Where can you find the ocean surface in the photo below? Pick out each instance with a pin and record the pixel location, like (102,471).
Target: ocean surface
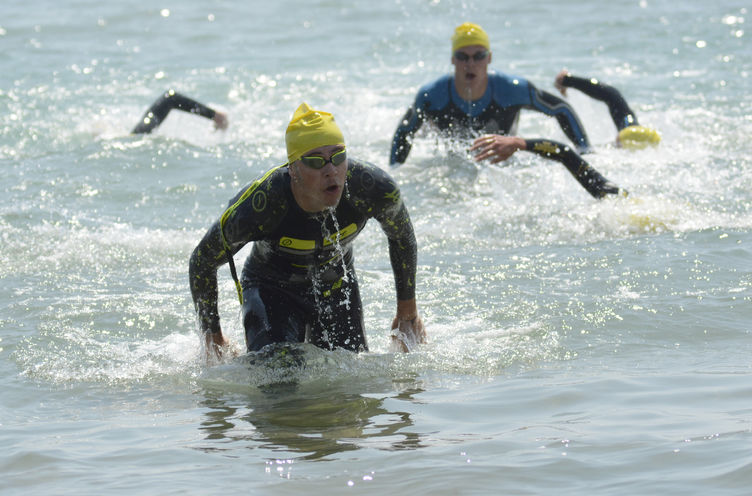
(575,346)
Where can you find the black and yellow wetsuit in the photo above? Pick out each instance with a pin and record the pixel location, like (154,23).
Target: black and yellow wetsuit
(496,112)
(298,283)
(158,111)
(590,179)
(621,114)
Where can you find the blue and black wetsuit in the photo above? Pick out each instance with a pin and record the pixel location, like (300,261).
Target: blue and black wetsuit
(158,111)
(589,178)
(298,283)
(621,114)
(496,112)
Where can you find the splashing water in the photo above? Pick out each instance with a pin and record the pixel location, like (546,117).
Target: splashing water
(340,292)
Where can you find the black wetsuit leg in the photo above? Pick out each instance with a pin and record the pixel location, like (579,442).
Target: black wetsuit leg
(272,315)
(334,319)
(621,114)
(158,111)
(339,323)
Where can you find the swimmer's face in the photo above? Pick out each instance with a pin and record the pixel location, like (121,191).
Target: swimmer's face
(318,189)
(471,64)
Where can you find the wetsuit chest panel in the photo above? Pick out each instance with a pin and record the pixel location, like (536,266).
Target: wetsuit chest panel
(322,235)
(495,112)
(302,241)
(289,243)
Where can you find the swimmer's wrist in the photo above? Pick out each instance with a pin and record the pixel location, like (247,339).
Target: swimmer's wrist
(211,329)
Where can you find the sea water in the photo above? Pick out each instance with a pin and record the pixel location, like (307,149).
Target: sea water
(574,346)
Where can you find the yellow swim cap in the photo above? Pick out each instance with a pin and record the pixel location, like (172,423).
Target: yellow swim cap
(469,34)
(310,129)
(638,137)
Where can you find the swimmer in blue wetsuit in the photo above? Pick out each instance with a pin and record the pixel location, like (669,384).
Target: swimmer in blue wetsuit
(473,101)
(171,99)
(298,283)
(630,133)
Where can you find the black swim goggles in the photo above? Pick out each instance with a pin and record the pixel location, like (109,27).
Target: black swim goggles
(319,162)
(477,56)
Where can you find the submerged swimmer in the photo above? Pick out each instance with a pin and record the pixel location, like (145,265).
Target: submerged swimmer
(169,100)
(631,134)
(473,101)
(298,283)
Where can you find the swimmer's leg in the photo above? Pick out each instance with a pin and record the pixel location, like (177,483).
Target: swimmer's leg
(340,320)
(271,315)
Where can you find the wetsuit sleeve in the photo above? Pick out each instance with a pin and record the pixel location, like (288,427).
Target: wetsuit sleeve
(403,253)
(255,210)
(378,196)
(403,248)
(402,141)
(590,179)
(206,258)
(158,111)
(566,116)
(621,114)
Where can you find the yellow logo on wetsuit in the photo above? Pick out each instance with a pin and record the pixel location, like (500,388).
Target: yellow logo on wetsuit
(546,147)
(341,235)
(297,244)
(308,245)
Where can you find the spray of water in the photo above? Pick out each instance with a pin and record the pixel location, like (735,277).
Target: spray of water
(326,306)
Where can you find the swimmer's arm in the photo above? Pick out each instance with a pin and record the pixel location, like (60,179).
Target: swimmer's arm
(621,114)
(402,140)
(206,258)
(565,115)
(171,99)
(242,223)
(382,200)
(589,178)
(211,253)
(407,326)
(589,86)
(403,256)
(403,248)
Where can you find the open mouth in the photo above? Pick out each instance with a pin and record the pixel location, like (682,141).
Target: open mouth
(470,76)
(332,189)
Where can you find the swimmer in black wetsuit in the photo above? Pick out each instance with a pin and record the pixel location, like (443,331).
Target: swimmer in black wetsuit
(299,284)
(631,134)
(158,111)
(473,102)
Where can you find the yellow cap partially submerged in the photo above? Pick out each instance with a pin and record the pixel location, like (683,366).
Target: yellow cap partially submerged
(310,129)
(469,34)
(638,137)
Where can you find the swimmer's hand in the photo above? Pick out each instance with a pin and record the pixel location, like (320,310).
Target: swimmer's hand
(215,346)
(559,82)
(220,121)
(496,148)
(407,334)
